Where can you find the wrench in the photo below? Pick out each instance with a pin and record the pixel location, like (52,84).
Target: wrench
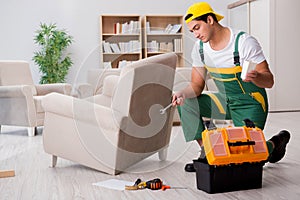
(162,111)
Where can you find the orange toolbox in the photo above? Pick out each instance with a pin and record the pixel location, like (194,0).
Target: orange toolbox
(234,145)
(235,157)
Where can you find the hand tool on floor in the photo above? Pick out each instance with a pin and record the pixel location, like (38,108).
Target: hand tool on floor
(7,173)
(164,187)
(155,184)
(135,186)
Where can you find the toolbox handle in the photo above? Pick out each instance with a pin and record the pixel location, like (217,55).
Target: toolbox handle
(240,143)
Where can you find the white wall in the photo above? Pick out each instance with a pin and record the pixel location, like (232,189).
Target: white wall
(19,19)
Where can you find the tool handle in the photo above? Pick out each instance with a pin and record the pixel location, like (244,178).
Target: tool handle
(154,184)
(164,187)
(168,106)
(240,143)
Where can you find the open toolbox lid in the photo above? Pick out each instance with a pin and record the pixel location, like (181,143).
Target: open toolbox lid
(234,145)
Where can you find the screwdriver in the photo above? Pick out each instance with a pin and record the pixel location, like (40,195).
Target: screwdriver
(164,187)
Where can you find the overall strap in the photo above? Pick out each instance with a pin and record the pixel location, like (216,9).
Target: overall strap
(236,55)
(201,52)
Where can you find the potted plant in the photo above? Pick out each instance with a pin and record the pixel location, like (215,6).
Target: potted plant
(53,62)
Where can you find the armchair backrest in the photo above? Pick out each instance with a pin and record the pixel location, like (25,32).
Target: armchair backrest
(16,73)
(144,88)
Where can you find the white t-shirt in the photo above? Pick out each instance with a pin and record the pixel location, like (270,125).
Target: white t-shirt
(249,49)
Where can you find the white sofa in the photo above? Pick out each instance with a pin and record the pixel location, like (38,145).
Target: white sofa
(20,98)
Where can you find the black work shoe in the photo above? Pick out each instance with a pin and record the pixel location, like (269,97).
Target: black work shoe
(190,167)
(280,141)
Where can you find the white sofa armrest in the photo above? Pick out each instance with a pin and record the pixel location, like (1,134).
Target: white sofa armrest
(17,105)
(16,91)
(63,88)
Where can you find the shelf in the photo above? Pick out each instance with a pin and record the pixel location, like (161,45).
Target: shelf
(157,42)
(120,38)
(133,44)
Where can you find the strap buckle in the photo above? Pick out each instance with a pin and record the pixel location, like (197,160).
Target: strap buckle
(236,58)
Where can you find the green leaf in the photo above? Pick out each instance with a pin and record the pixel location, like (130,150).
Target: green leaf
(53,43)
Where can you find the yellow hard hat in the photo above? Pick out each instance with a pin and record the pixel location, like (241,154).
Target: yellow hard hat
(199,9)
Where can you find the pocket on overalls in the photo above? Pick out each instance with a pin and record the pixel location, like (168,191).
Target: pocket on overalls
(217,102)
(260,99)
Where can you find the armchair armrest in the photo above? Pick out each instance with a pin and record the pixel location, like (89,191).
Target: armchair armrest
(16,91)
(63,88)
(17,105)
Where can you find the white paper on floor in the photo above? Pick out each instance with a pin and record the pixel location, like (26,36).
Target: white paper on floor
(114,184)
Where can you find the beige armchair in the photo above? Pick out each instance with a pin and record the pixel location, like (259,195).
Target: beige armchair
(20,99)
(111,138)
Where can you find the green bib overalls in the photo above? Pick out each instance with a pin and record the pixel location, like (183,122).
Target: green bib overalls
(236,100)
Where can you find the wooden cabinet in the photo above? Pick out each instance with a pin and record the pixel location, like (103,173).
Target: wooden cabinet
(163,33)
(120,39)
(130,38)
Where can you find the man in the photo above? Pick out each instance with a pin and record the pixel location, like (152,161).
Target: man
(222,51)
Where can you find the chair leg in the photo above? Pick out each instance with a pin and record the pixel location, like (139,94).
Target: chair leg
(54,160)
(162,154)
(31,131)
(0,128)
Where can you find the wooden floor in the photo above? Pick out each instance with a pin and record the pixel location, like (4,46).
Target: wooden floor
(34,179)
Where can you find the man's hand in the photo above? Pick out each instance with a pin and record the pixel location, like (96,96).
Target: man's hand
(261,76)
(250,76)
(178,99)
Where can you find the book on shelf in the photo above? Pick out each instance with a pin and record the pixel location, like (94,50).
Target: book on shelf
(172,28)
(152,46)
(170,47)
(131,27)
(162,46)
(148,27)
(117,28)
(106,47)
(133,46)
(168,28)
(177,45)
(165,47)
(175,28)
(115,48)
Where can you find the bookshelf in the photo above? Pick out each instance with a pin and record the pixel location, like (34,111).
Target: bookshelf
(163,33)
(120,39)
